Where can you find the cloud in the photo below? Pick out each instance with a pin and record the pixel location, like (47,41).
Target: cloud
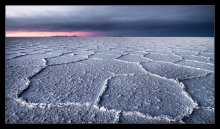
(123,20)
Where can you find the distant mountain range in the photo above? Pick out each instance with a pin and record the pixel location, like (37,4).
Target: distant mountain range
(65,36)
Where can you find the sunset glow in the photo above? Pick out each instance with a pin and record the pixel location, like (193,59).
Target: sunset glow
(48,34)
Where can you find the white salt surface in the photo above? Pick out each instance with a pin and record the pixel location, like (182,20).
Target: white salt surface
(109,80)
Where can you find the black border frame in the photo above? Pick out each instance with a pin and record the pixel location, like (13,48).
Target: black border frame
(107,2)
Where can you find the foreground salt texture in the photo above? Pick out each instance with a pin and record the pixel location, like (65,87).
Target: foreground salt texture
(109,80)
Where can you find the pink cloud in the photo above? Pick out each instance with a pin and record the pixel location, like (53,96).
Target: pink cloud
(46,34)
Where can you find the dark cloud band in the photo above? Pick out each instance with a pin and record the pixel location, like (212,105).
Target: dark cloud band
(163,21)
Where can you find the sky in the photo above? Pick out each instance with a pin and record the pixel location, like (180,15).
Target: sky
(128,21)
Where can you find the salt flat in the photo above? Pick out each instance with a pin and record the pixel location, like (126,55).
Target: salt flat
(109,80)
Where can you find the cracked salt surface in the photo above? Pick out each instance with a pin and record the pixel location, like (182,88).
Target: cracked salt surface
(139,118)
(174,71)
(197,64)
(109,80)
(133,58)
(163,57)
(82,81)
(65,59)
(56,115)
(105,56)
(202,89)
(147,94)
(198,58)
(201,116)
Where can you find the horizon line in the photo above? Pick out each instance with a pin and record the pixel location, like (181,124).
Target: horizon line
(94,36)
